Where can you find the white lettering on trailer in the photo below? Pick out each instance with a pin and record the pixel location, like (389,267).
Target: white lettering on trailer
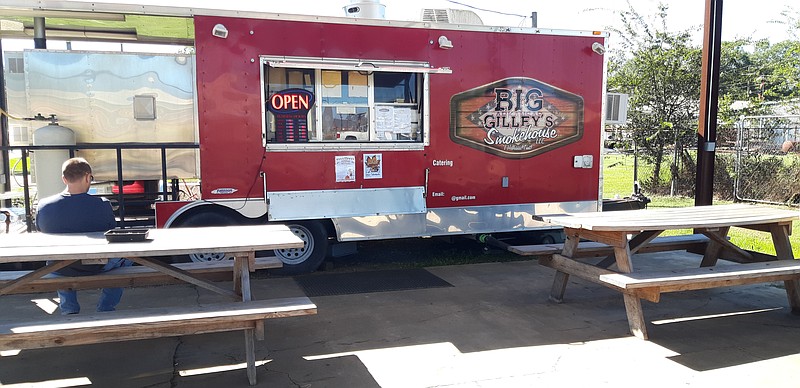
(438,194)
(442,163)
(457,198)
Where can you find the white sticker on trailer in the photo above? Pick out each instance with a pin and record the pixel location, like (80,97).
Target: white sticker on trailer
(224,190)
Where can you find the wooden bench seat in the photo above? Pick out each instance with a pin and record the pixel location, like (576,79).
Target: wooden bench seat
(135,276)
(148,323)
(595,249)
(152,323)
(650,284)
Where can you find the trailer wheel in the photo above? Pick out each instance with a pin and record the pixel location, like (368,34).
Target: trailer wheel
(547,239)
(205,218)
(308,258)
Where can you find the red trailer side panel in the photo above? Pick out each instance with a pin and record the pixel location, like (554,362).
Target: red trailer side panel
(230,111)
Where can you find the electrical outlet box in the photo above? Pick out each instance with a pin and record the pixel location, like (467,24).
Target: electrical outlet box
(583,161)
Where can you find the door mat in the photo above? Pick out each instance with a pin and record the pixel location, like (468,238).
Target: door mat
(369,281)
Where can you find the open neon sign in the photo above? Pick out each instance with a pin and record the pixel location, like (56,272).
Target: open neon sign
(291,101)
(290,107)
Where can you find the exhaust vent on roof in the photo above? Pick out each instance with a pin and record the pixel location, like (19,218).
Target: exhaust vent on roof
(454,16)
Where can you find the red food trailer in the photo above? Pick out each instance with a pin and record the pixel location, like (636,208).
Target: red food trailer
(361,129)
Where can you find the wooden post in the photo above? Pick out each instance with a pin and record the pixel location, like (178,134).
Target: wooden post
(713,248)
(633,305)
(783,250)
(243,265)
(561,278)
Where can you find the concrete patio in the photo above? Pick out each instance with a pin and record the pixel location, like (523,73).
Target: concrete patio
(494,328)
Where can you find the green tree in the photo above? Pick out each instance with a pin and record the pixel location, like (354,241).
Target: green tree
(739,87)
(790,17)
(756,77)
(779,70)
(762,72)
(661,72)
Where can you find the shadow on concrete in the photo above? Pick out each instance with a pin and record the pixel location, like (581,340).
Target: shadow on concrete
(495,327)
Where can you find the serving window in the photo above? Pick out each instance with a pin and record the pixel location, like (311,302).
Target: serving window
(344,101)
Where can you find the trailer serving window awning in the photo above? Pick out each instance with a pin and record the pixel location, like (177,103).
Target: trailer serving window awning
(355,65)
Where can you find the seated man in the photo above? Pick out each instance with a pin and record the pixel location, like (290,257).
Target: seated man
(75,211)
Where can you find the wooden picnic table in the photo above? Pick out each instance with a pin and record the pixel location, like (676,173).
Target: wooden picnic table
(238,242)
(628,232)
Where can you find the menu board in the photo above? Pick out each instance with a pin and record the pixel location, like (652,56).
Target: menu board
(393,119)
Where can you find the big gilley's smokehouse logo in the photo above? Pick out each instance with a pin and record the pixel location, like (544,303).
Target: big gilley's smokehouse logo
(516,118)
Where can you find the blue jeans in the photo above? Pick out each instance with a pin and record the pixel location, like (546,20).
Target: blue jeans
(109,297)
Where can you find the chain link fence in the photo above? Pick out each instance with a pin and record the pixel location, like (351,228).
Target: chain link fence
(767,165)
(757,160)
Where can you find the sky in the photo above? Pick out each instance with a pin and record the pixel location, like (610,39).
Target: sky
(741,18)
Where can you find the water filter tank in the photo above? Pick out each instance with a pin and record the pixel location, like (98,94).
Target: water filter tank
(47,163)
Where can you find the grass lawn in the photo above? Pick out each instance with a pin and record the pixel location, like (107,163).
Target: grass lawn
(617,175)
(618,180)
(15,165)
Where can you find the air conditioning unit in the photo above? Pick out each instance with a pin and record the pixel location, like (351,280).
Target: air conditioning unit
(453,16)
(616,108)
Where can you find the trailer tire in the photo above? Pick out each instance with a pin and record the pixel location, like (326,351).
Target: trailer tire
(308,258)
(547,239)
(205,218)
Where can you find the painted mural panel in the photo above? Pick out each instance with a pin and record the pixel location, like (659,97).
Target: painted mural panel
(516,118)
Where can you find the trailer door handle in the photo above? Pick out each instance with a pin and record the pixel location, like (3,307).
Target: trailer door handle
(425,190)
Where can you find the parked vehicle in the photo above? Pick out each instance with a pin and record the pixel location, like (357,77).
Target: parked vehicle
(348,129)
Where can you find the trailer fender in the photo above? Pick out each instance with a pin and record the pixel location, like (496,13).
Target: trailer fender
(206,215)
(209,215)
(191,209)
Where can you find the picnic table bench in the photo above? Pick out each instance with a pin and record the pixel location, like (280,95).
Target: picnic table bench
(594,249)
(242,313)
(148,323)
(644,226)
(128,277)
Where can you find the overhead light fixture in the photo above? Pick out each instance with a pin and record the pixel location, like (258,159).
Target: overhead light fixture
(220,31)
(445,43)
(598,48)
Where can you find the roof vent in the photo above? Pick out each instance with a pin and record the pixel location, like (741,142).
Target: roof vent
(453,16)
